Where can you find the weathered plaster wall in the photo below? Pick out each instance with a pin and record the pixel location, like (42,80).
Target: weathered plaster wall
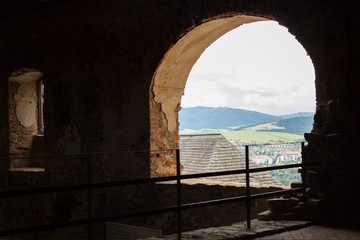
(26,107)
(23,117)
(99,58)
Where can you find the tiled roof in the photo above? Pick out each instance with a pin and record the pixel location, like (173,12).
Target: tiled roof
(213,152)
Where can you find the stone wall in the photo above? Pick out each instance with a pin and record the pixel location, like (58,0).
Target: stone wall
(333,144)
(197,191)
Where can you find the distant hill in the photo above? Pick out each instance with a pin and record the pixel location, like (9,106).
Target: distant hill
(221,118)
(298,114)
(296,125)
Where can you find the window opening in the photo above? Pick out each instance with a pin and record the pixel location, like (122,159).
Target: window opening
(26,124)
(172,75)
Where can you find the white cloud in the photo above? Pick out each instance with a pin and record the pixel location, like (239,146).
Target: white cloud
(259,66)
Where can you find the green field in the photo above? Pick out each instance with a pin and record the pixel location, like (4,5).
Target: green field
(252,135)
(257,134)
(261,133)
(265,126)
(263,137)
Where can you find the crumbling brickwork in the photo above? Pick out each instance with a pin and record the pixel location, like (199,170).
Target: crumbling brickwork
(162,163)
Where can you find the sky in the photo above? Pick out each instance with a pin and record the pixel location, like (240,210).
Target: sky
(258,66)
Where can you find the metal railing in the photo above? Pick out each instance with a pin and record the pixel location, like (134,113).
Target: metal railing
(89,186)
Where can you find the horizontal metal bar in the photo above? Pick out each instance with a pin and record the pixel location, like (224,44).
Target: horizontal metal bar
(24,192)
(238,198)
(242,171)
(275,193)
(123,152)
(271,144)
(137,181)
(144,213)
(278,167)
(133,182)
(213,202)
(264,169)
(84,186)
(213,174)
(83,222)
(88,154)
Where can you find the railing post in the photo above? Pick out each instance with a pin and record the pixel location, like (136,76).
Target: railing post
(178,191)
(89,181)
(248,222)
(303,171)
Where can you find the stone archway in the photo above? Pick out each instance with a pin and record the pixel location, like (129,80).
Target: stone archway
(168,85)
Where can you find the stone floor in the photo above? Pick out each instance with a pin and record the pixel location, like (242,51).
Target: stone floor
(316,232)
(239,230)
(273,230)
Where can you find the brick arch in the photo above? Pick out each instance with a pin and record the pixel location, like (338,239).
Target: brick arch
(169,82)
(168,85)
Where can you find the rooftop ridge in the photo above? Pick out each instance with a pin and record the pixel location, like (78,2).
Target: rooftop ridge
(199,134)
(206,153)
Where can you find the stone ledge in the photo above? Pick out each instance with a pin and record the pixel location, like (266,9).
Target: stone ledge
(220,183)
(239,231)
(28,169)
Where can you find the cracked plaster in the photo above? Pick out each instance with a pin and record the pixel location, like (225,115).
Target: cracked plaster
(26,96)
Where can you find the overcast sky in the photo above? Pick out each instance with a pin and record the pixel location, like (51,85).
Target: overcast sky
(258,66)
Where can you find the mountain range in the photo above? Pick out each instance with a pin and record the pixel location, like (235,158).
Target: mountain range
(197,118)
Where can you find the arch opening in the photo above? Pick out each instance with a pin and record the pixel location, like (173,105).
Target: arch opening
(254,86)
(168,85)
(169,82)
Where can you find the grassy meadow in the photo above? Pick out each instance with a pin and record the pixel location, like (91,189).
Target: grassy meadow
(263,137)
(262,133)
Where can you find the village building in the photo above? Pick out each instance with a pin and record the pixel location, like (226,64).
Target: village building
(292,155)
(205,153)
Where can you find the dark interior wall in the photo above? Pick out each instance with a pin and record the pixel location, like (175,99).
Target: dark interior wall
(98,59)
(92,55)
(4,126)
(89,71)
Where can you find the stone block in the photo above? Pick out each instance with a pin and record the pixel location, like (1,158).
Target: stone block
(313,138)
(296,184)
(281,204)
